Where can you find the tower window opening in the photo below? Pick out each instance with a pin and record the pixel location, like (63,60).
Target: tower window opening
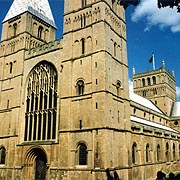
(83,3)
(80,87)
(83,46)
(158,152)
(148,81)
(174,152)
(40,30)
(11,67)
(147,153)
(115,45)
(15,29)
(154,79)
(143,82)
(82,154)
(2,155)
(134,150)
(167,152)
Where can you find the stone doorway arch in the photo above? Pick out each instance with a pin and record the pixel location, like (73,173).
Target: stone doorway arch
(35,164)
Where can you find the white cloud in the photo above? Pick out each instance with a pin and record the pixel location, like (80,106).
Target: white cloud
(131,85)
(178,93)
(164,17)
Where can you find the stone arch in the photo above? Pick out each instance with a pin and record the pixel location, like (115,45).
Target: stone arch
(35,163)
(89,44)
(81,153)
(41,103)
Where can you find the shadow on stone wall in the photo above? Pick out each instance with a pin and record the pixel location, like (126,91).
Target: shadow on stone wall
(112,176)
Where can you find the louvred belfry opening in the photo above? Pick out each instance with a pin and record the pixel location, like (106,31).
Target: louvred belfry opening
(41,103)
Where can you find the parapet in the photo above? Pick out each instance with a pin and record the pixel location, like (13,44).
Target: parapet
(42,49)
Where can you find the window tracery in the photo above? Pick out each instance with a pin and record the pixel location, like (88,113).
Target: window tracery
(41,103)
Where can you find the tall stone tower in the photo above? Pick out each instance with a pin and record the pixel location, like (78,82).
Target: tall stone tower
(65,104)
(95,110)
(158,85)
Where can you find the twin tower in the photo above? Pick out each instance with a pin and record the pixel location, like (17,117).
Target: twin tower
(64,106)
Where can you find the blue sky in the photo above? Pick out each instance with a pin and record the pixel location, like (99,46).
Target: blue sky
(148,30)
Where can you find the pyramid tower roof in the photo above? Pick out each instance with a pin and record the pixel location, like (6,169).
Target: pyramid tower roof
(39,8)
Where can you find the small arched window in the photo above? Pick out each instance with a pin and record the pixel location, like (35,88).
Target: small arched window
(40,29)
(154,79)
(167,152)
(134,150)
(83,3)
(83,46)
(82,152)
(147,153)
(174,152)
(118,87)
(148,81)
(80,87)
(2,155)
(115,46)
(15,29)
(158,153)
(11,67)
(143,82)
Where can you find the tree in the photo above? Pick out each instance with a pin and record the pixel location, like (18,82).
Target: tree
(160,3)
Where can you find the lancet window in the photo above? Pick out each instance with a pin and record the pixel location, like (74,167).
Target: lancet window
(2,155)
(82,150)
(41,103)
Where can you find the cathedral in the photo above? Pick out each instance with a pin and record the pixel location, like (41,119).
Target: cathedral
(66,109)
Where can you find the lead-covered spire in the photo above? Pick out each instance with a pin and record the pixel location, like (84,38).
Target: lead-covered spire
(39,8)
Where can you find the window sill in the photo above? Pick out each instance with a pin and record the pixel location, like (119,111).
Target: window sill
(81,166)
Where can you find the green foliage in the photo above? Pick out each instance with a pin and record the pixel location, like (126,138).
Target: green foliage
(169,3)
(160,3)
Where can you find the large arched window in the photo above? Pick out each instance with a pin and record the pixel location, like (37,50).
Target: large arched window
(2,155)
(41,103)
(134,150)
(82,153)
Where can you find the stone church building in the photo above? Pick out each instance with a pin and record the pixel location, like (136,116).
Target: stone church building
(66,111)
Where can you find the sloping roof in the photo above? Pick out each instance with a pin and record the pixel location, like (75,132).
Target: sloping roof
(144,102)
(175,109)
(39,8)
(152,124)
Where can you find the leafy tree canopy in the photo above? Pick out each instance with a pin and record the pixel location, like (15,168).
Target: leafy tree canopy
(160,3)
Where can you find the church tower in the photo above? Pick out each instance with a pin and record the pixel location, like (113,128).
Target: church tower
(158,85)
(65,105)
(28,23)
(97,104)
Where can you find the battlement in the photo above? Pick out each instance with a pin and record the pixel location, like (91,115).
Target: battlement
(42,49)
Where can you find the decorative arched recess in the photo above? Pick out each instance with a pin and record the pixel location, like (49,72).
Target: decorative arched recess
(41,103)
(36,163)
